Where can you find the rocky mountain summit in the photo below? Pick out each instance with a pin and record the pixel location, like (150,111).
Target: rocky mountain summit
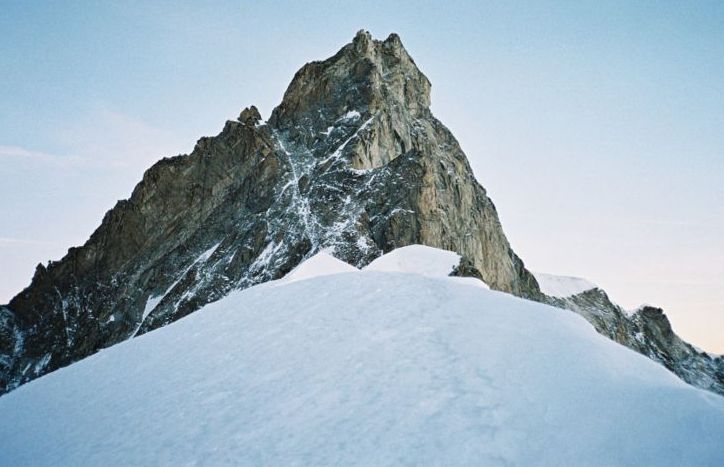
(352,162)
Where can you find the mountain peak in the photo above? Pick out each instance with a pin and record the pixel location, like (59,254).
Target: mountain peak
(365,44)
(363,40)
(250,115)
(352,162)
(366,75)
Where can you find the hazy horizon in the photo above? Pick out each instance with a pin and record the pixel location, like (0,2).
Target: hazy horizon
(596,129)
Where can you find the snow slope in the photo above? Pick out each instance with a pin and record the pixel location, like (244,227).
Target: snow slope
(367,368)
(417,259)
(321,264)
(424,260)
(562,286)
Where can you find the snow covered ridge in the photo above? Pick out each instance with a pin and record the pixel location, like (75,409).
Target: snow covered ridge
(412,259)
(562,286)
(321,264)
(417,259)
(369,368)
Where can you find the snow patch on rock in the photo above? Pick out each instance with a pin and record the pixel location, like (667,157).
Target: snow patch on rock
(632,311)
(151,305)
(562,286)
(351,115)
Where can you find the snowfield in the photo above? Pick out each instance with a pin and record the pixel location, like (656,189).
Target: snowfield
(372,367)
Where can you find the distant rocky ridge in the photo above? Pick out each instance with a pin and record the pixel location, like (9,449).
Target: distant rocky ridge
(646,330)
(352,161)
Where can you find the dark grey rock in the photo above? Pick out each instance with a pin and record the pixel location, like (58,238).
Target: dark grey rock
(250,116)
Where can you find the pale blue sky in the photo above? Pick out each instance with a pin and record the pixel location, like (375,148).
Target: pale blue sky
(597,127)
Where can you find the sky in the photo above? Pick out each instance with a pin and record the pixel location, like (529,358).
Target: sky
(596,127)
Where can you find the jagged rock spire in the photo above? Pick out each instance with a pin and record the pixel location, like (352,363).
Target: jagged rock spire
(366,75)
(250,116)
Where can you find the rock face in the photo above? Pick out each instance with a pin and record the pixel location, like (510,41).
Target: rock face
(352,161)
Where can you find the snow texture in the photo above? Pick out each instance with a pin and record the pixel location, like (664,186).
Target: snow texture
(321,264)
(417,259)
(562,286)
(369,368)
(471,281)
